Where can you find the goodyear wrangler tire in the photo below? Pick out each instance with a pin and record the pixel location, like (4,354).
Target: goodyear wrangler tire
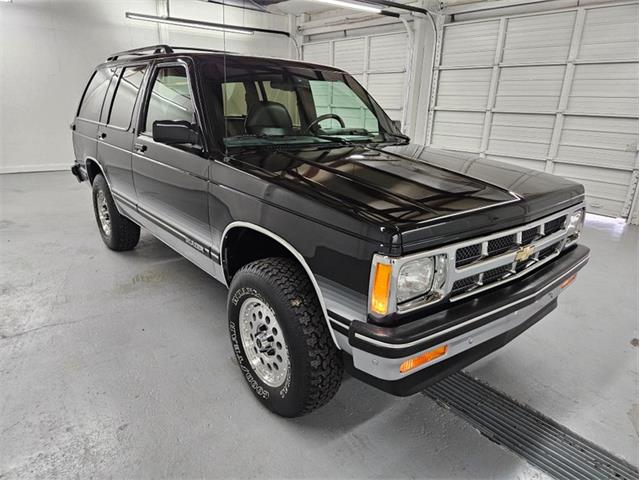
(280,337)
(117,232)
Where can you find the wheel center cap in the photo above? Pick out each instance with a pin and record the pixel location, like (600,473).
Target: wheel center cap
(264,342)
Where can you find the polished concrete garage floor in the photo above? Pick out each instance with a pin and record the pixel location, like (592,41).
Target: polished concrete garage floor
(119,365)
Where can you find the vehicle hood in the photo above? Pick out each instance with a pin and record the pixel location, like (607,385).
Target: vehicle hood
(410,188)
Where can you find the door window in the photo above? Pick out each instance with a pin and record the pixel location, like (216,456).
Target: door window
(170,97)
(125,97)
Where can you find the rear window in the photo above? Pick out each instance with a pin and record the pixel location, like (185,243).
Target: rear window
(125,96)
(93,98)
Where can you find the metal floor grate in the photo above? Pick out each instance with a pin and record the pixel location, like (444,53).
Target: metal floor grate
(538,439)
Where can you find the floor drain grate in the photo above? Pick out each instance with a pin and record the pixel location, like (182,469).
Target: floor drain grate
(541,441)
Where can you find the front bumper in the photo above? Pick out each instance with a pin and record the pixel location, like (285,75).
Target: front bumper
(471,329)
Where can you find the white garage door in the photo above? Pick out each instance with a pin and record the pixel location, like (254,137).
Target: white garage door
(554,91)
(378,62)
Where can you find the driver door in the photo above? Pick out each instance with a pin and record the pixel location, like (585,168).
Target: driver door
(171,180)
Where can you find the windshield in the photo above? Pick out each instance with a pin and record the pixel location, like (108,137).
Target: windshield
(272,104)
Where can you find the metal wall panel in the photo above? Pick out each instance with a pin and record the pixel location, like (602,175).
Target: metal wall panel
(555,91)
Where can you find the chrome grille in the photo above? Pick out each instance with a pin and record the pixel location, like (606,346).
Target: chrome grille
(501,245)
(486,262)
(466,255)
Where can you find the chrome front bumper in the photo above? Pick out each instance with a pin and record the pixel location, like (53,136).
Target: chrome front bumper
(470,329)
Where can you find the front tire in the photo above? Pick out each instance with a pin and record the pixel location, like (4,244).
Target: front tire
(280,338)
(117,232)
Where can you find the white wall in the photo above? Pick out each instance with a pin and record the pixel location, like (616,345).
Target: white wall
(48,49)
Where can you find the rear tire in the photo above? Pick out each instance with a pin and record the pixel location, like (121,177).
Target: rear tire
(117,232)
(280,337)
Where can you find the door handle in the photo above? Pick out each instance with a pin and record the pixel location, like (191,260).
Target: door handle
(139,147)
(102,136)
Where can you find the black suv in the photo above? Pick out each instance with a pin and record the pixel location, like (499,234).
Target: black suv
(343,245)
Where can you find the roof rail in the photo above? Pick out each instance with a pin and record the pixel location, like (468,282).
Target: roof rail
(142,51)
(156,49)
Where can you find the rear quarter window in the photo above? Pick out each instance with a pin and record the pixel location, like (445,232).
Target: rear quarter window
(93,98)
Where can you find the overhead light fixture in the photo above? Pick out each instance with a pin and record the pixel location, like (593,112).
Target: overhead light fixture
(183,22)
(354,6)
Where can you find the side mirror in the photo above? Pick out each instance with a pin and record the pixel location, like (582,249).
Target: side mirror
(175,132)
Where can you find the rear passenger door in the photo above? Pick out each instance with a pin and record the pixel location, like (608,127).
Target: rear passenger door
(115,134)
(171,180)
(85,126)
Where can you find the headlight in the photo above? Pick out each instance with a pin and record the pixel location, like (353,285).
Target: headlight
(418,279)
(415,279)
(574,227)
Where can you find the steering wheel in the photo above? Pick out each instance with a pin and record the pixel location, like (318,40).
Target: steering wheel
(322,118)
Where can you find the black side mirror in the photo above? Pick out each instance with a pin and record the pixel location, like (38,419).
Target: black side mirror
(174,132)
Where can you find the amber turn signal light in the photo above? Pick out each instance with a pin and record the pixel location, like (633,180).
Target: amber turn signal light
(380,290)
(423,358)
(568,281)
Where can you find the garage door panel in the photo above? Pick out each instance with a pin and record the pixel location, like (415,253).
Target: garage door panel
(619,134)
(591,156)
(603,206)
(601,42)
(543,38)
(387,89)
(349,55)
(591,103)
(608,89)
(472,44)
(538,165)
(602,190)
(388,52)
(458,130)
(530,88)
(467,88)
(317,53)
(520,135)
(607,176)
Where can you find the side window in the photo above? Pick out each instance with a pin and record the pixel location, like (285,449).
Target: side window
(170,98)
(125,97)
(93,98)
(235,99)
(115,76)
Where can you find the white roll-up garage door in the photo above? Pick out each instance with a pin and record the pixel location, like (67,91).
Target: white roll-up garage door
(378,62)
(554,91)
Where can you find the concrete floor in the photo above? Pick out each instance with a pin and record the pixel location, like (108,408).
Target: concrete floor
(118,364)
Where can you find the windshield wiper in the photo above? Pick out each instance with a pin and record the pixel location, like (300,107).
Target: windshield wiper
(398,136)
(341,140)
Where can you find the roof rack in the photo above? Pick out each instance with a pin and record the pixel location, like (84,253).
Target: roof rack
(156,49)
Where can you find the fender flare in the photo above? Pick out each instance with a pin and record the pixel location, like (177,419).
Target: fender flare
(297,255)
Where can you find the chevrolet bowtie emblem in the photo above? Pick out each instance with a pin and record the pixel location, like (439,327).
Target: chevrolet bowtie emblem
(524,253)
